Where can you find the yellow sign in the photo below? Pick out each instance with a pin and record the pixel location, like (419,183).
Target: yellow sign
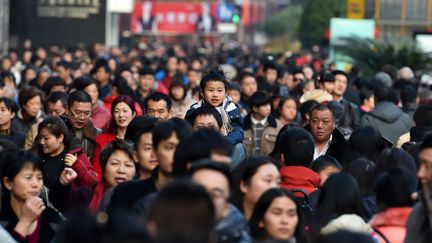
(356,9)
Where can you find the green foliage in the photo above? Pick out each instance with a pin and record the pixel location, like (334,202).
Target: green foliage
(315,20)
(371,54)
(284,23)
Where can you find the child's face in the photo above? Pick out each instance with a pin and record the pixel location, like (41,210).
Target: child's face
(263,110)
(214,93)
(235,95)
(326,173)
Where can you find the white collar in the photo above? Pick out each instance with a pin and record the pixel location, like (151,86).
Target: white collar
(255,121)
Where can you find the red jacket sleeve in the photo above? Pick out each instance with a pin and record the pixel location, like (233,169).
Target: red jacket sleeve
(96,163)
(86,175)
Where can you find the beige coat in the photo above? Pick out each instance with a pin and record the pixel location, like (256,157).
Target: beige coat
(268,138)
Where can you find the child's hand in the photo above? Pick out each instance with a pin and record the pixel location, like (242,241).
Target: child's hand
(67,176)
(70,159)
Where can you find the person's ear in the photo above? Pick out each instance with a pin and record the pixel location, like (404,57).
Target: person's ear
(135,156)
(152,228)
(282,159)
(7,183)
(243,187)
(261,224)
(13,115)
(61,138)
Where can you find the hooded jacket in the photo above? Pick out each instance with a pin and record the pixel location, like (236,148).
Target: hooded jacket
(389,120)
(299,177)
(392,223)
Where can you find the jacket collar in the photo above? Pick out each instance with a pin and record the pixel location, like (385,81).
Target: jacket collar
(247,122)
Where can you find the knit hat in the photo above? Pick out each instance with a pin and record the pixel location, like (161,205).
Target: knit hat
(384,79)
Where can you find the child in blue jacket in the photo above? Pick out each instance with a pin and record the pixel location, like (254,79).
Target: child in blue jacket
(214,87)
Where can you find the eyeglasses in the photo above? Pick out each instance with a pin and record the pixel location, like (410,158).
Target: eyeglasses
(77,114)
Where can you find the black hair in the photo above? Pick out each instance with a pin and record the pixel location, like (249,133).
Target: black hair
(215,74)
(64,63)
(58,96)
(182,211)
(297,147)
(165,129)
(198,145)
(324,161)
(51,82)
(324,107)
(423,116)
(365,142)
(395,157)
(275,153)
(122,86)
(282,103)
(340,72)
(113,146)
(146,71)
(102,63)
(270,65)
(259,98)
(138,126)
(325,76)
(234,86)
(29,93)
(13,162)
(57,127)
(208,164)
(78,96)
(244,75)
(365,93)
(363,171)
(383,93)
(344,236)
(7,74)
(178,82)
(262,206)
(205,110)
(244,172)
(83,82)
(306,108)
(408,94)
(393,188)
(157,96)
(426,142)
(10,104)
(339,195)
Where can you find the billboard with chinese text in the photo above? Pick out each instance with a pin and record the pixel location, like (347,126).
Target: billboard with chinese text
(174,17)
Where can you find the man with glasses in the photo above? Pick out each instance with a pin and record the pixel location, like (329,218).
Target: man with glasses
(78,120)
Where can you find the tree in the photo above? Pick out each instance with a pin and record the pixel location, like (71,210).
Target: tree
(371,55)
(315,20)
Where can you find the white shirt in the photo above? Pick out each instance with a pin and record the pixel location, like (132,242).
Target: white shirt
(262,122)
(324,150)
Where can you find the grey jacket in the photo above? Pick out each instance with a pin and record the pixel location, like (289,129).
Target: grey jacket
(389,120)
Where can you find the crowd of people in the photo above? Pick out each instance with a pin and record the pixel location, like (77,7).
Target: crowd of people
(182,143)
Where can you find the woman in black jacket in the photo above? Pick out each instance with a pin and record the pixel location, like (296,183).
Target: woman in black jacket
(24,214)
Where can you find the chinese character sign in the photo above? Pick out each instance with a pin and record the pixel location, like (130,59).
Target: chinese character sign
(173,17)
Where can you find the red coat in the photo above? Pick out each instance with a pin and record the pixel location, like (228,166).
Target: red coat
(101,140)
(392,224)
(299,177)
(98,195)
(86,175)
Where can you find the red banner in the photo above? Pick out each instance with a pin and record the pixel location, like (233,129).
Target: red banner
(173,17)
